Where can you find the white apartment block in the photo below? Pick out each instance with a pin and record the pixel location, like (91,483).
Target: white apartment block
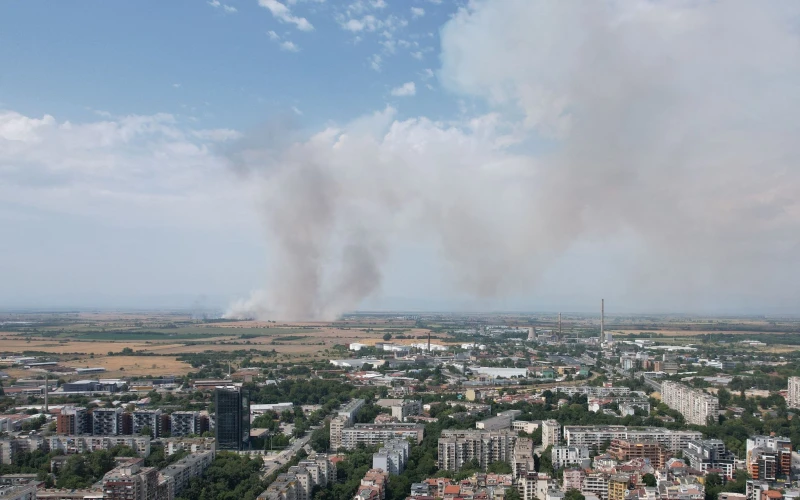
(551,433)
(405,409)
(526,427)
(456,447)
(83,444)
(372,434)
(589,436)
(696,406)
(392,457)
(338,424)
(793,394)
(564,456)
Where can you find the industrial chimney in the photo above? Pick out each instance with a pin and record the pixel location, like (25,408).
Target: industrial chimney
(559,325)
(602,320)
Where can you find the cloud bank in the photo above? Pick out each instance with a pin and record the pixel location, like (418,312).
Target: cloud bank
(671,125)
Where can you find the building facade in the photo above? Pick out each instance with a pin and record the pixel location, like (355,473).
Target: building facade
(696,406)
(232,418)
(457,447)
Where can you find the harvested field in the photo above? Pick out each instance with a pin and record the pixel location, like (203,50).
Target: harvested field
(126,366)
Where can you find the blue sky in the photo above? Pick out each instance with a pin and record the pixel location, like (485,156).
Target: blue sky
(204,61)
(301,158)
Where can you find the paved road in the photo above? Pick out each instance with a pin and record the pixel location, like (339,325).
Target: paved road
(271,465)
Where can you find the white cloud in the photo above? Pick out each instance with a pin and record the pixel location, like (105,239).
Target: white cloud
(289,46)
(417,55)
(417,12)
(286,45)
(378,4)
(225,7)
(176,85)
(284,14)
(375,62)
(426,74)
(297,111)
(405,90)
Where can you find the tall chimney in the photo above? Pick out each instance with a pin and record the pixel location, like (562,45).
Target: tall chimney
(559,325)
(46,389)
(602,320)
(429,341)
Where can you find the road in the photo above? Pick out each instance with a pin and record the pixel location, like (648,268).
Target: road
(275,463)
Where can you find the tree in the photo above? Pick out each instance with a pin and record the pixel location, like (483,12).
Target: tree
(499,467)
(649,480)
(387,336)
(574,494)
(146,431)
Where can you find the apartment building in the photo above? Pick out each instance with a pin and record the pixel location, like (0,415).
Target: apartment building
(131,481)
(618,486)
(72,420)
(350,410)
(106,421)
(405,409)
(147,418)
(18,491)
(392,457)
(671,440)
(564,456)
(793,393)
(551,433)
(83,444)
(573,479)
(183,423)
(596,483)
(187,468)
(193,445)
(372,434)
(535,485)
(707,454)
(456,447)
(526,427)
(283,488)
(338,423)
(627,449)
(769,457)
(696,406)
(522,460)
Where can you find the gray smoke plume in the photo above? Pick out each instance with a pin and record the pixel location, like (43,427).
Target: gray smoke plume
(669,124)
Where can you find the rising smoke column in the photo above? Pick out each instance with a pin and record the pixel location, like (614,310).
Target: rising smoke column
(672,122)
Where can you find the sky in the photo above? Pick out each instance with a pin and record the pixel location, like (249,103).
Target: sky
(298,159)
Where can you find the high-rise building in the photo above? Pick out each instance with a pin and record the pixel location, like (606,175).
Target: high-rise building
(710,454)
(626,449)
(793,394)
(696,406)
(232,418)
(563,456)
(596,435)
(131,482)
(106,421)
(522,460)
(72,420)
(147,418)
(457,447)
(392,457)
(184,423)
(372,434)
(769,457)
(551,433)
(338,423)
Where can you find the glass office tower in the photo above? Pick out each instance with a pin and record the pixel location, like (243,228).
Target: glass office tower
(232,418)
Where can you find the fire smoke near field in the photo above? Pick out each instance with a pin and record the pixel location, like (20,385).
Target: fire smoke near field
(671,123)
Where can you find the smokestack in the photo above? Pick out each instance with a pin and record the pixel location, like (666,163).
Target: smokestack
(429,341)
(559,325)
(46,389)
(602,320)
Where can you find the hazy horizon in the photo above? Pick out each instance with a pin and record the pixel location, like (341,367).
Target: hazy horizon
(304,158)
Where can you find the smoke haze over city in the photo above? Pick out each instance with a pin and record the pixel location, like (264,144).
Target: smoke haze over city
(522,155)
